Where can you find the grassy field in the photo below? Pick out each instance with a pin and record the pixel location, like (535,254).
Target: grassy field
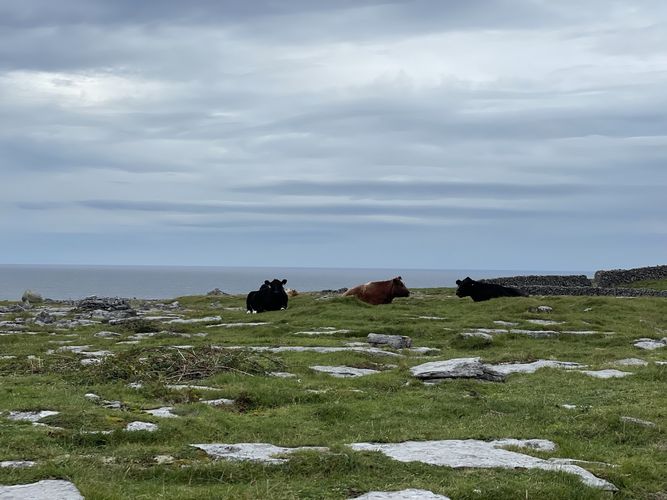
(315,409)
(654,284)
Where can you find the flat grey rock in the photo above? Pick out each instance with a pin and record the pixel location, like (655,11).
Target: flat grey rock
(140,426)
(48,489)
(651,344)
(456,368)
(409,494)
(643,423)
(343,371)
(181,321)
(17,464)
(508,368)
(568,406)
(545,322)
(504,323)
(282,374)
(163,412)
(543,309)
(474,368)
(256,452)
(476,335)
(106,334)
(180,387)
(234,325)
(30,416)
(481,454)
(604,374)
(394,341)
(325,330)
(432,318)
(631,362)
(217,402)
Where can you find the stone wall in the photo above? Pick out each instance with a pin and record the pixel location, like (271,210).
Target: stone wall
(616,277)
(548,280)
(608,283)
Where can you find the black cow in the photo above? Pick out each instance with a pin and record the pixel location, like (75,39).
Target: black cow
(271,296)
(479,291)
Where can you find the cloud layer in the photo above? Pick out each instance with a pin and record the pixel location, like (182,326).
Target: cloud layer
(495,134)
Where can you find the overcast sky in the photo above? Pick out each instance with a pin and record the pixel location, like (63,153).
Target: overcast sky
(495,134)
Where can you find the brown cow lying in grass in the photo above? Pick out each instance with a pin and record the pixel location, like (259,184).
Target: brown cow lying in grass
(379,292)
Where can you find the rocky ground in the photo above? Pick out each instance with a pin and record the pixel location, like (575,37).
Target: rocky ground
(429,397)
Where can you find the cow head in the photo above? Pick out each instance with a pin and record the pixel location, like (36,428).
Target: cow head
(277,285)
(398,289)
(465,288)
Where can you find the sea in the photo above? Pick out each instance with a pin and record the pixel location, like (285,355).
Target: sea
(164,282)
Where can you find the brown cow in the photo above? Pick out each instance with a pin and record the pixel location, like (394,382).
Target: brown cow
(379,292)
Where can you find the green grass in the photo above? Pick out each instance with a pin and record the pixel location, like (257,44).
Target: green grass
(388,407)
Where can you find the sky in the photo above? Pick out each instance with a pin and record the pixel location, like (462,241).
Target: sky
(436,134)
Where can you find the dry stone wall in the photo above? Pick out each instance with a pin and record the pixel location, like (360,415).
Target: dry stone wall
(618,277)
(607,283)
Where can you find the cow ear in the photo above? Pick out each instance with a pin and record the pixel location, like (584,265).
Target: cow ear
(398,278)
(284,282)
(458,282)
(266,282)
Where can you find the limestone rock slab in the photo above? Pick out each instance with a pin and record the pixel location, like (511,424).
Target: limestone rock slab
(344,371)
(256,452)
(409,494)
(49,489)
(480,454)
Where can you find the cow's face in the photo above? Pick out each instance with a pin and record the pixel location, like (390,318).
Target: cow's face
(465,288)
(398,289)
(277,286)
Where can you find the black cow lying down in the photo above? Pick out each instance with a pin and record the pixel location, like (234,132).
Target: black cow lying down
(271,296)
(479,291)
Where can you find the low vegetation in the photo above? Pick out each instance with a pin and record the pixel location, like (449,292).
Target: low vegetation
(315,409)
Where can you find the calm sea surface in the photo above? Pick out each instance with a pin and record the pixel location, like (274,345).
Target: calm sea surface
(73,282)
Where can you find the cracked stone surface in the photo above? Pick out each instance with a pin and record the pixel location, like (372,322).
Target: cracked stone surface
(140,426)
(395,341)
(217,402)
(232,325)
(256,452)
(643,423)
(474,368)
(282,374)
(163,412)
(48,489)
(179,387)
(16,464)
(343,371)
(545,322)
(30,416)
(606,373)
(409,494)
(651,344)
(325,330)
(481,454)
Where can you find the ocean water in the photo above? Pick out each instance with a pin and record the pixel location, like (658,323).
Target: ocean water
(158,282)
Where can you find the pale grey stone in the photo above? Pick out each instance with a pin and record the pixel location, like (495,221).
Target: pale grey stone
(504,323)
(30,416)
(545,322)
(163,412)
(217,402)
(455,368)
(507,368)
(543,309)
(135,385)
(433,318)
(343,371)
(91,361)
(207,319)
(480,454)
(604,374)
(424,350)
(409,494)
(474,368)
(325,330)
(106,335)
(587,332)
(234,325)
(164,459)
(568,406)
(631,362)
(477,335)
(49,489)
(643,423)
(538,334)
(256,452)
(179,387)
(140,426)
(16,464)
(651,344)
(395,341)
(282,374)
